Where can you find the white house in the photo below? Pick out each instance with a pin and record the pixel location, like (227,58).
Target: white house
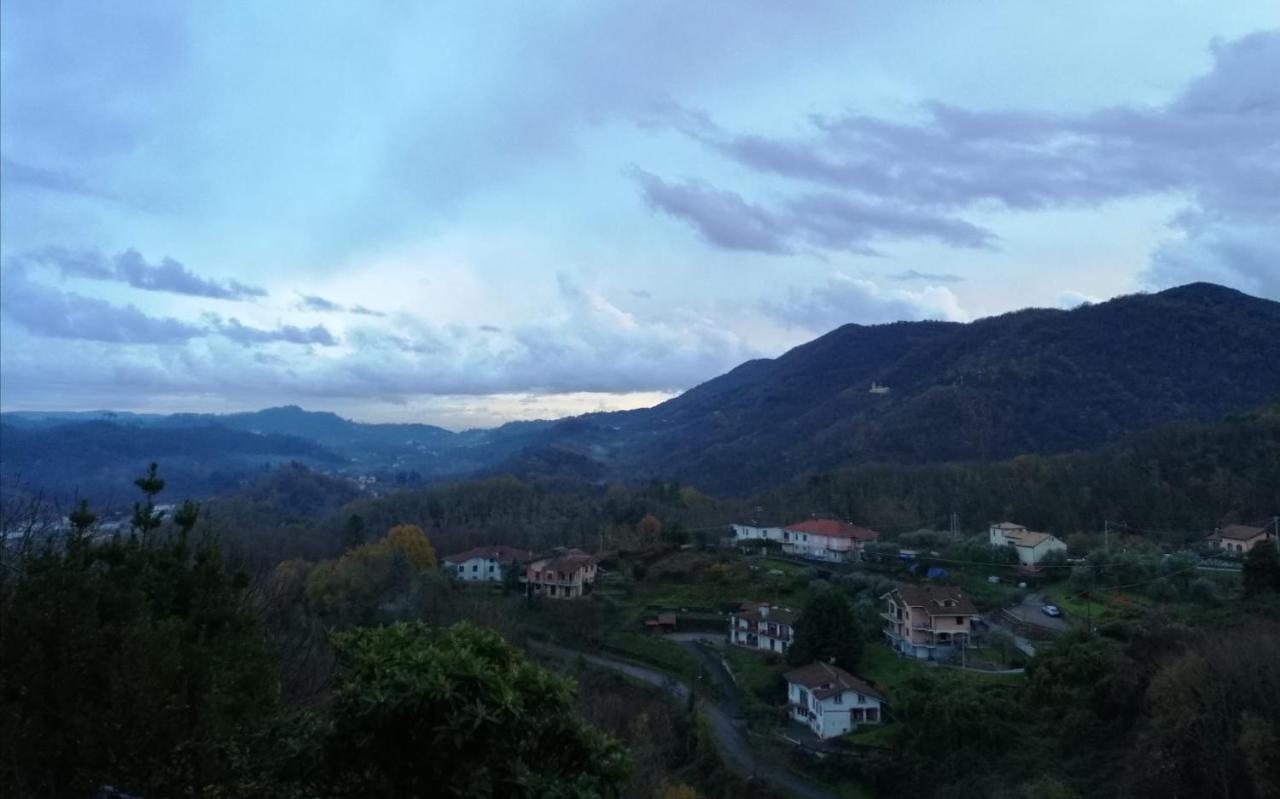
(759,626)
(830,700)
(812,539)
(826,539)
(756,531)
(1032,547)
(485,564)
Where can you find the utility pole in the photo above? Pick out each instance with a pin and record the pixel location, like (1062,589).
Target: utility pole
(1106,536)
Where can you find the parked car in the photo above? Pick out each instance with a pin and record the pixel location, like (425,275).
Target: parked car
(1051,610)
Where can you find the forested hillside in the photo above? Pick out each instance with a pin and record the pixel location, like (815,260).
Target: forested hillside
(1035,381)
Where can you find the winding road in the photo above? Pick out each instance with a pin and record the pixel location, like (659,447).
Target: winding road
(733,745)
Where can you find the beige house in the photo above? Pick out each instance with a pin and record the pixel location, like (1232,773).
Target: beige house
(565,574)
(929,622)
(1239,539)
(1032,547)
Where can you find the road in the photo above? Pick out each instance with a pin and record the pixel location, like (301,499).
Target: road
(733,745)
(1029,612)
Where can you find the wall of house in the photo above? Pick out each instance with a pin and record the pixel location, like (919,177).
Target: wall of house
(478,570)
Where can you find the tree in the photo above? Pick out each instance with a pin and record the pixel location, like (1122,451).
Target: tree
(1261,570)
(458,712)
(408,541)
(827,630)
(130,662)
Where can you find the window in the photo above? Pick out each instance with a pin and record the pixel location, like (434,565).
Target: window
(960,620)
(862,700)
(838,699)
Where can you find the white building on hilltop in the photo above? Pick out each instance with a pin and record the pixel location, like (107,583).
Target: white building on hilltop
(1032,547)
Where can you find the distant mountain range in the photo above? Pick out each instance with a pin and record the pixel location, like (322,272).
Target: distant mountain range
(1034,381)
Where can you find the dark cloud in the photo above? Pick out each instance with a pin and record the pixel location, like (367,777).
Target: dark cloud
(641,294)
(490,329)
(47,311)
(234,330)
(933,277)
(360,310)
(1216,143)
(131,268)
(310,302)
(721,217)
(822,219)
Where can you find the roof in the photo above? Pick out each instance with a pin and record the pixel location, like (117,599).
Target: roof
(1007,526)
(661,620)
(1239,532)
(1028,538)
(825,679)
(566,560)
(937,600)
(499,553)
(751,612)
(833,528)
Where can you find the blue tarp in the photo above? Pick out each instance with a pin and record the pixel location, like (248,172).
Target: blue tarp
(936,573)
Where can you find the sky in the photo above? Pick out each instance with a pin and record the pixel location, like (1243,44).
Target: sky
(467,213)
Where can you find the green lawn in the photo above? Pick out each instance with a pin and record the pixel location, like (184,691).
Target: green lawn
(874,734)
(650,649)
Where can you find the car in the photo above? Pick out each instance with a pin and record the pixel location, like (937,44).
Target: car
(1051,610)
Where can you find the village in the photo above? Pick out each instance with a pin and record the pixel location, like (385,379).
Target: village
(741,623)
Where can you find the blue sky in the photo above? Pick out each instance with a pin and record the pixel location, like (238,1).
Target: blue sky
(463,213)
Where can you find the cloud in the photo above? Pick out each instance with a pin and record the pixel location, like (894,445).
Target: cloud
(855,177)
(843,299)
(47,311)
(1074,299)
(641,294)
(310,302)
(14,173)
(933,277)
(723,218)
(131,268)
(360,310)
(234,330)
(824,219)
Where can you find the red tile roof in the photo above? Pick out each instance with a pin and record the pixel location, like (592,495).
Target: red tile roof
(833,528)
(1238,532)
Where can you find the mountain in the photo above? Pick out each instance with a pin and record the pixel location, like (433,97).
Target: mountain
(1033,381)
(97,458)
(1041,381)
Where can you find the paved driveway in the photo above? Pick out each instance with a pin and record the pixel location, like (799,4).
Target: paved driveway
(733,745)
(1029,612)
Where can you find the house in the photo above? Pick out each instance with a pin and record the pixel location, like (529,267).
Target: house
(1032,547)
(761,626)
(1238,538)
(755,533)
(830,700)
(484,564)
(826,539)
(661,623)
(564,574)
(929,622)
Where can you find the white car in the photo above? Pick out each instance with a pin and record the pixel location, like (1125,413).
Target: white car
(1051,610)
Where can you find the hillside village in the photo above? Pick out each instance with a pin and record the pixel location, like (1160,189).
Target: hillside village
(741,619)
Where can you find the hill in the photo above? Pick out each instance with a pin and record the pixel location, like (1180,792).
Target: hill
(96,458)
(1035,381)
